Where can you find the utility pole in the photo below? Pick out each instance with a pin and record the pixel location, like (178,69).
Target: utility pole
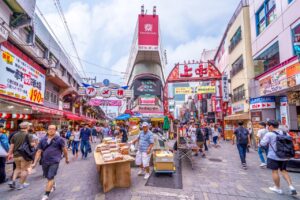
(90,80)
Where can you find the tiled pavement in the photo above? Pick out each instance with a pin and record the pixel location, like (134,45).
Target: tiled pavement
(208,181)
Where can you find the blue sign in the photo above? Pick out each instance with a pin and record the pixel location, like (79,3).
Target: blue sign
(283,99)
(106,82)
(262,100)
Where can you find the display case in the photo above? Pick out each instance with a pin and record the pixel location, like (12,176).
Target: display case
(296,140)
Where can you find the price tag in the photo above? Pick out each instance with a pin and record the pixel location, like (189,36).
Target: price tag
(35,95)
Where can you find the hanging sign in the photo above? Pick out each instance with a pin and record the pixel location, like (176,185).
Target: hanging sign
(120,93)
(20,79)
(283,110)
(91,91)
(104,102)
(206,89)
(225,88)
(105,92)
(183,90)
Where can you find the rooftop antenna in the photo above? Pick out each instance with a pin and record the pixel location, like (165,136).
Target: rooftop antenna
(142,10)
(154,10)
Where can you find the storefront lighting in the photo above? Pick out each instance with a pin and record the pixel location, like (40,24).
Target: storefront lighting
(10,107)
(26,109)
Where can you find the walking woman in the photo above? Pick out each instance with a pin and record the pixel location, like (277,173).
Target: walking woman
(215,135)
(76,141)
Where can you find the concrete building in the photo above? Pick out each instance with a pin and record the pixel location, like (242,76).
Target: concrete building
(145,70)
(234,60)
(275,33)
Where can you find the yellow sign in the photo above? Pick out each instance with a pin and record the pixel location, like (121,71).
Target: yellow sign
(206,89)
(183,90)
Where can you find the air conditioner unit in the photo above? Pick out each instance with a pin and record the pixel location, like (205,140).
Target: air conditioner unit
(50,73)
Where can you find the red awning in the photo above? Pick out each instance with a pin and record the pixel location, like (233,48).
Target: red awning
(72,116)
(47,110)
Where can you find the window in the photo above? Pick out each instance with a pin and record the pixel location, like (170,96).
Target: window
(290,1)
(237,66)
(238,93)
(47,95)
(69,78)
(62,70)
(267,59)
(236,38)
(296,39)
(265,15)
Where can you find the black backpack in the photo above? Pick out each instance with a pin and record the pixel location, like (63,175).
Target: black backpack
(26,150)
(242,135)
(284,146)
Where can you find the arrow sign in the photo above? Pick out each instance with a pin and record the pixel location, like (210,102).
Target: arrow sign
(268,105)
(263,105)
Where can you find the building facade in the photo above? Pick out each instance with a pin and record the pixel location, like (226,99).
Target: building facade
(275,37)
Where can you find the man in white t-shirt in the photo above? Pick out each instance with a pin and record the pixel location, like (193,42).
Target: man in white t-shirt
(262,150)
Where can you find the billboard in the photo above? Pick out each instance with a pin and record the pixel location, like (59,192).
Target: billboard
(147,87)
(148,33)
(183,90)
(104,102)
(20,77)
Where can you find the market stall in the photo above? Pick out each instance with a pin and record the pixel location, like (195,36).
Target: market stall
(113,164)
(231,122)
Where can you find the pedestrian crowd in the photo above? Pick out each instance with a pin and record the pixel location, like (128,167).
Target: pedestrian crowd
(27,150)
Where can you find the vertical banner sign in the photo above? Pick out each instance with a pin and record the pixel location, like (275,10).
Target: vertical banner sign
(20,77)
(148,36)
(225,88)
(283,110)
(213,102)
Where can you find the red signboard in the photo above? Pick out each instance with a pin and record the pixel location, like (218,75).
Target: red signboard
(148,30)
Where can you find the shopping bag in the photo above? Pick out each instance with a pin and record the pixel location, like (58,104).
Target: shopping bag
(3,152)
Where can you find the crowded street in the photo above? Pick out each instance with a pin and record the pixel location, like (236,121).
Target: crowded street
(149,100)
(210,180)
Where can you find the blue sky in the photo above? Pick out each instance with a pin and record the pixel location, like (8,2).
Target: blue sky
(103,29)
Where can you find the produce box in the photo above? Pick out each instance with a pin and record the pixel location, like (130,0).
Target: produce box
(164,166)
(163,156)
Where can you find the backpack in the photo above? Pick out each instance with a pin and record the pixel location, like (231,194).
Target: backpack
(284,146)
(26,150)
(242,136)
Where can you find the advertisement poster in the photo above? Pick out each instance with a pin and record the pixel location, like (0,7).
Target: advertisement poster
(275,82)
(148,35)
(206,89)
(147,101)
(283,110)
(19,79)
(238,107)
(102,102)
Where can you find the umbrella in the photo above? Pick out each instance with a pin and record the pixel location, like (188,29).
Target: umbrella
(166,123)
(123,117)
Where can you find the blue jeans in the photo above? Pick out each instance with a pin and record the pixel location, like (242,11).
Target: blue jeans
(85,148)
(215,140)
(261,151)
(242,148)
(75,145)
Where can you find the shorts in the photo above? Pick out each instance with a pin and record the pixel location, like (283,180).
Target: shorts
(50,170)
(276,164)
(200,144)
(142,158)
(21,163)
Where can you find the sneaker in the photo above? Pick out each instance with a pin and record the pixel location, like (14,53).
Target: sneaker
(45,197)
(54,187)
(292,190)
(20,187)
(263,165)
(26,184)
(12,184)
(275,189)
(141,172)
(147,175)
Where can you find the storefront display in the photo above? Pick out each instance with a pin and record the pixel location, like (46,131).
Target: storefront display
(296,140)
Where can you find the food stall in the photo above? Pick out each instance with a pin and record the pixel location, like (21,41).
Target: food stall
(231,122)
(113,164)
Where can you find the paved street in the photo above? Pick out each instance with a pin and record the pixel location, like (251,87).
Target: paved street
(209,180)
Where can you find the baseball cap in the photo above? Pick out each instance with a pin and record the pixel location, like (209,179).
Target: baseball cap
(145,124)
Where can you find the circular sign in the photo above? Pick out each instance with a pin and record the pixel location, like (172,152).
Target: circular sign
(120,93)
(106,82)
(91,91)
(105,92)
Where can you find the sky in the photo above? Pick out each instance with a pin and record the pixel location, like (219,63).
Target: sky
(103,30)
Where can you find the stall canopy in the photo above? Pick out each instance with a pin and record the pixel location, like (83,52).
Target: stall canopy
(72,116)
(243,116)
(123,117)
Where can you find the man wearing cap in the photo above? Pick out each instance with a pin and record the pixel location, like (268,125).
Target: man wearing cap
(273,161)
(22,165)
(146,141)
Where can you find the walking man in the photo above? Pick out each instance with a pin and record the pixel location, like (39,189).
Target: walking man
(200,140)
(242,137)
(146,141)
(273,161)
(261,149)
(22,165)
(50,150)
(86,137)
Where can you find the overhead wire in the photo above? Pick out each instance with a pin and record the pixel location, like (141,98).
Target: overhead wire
(62,17)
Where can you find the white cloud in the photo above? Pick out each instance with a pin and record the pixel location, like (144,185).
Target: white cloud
(103,30)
